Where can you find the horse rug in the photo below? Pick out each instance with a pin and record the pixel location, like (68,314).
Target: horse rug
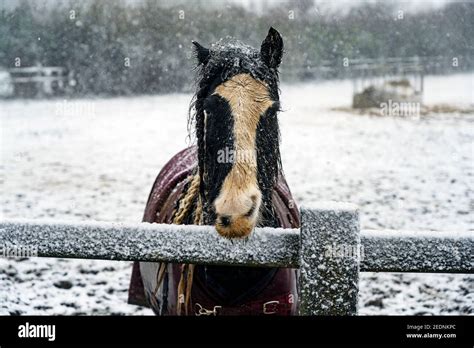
(216,290)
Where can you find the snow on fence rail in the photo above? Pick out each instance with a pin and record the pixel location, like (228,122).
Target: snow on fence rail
(329,249)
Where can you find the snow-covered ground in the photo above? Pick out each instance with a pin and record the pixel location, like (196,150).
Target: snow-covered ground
(97,159)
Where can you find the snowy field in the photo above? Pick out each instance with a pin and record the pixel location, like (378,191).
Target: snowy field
(97,159)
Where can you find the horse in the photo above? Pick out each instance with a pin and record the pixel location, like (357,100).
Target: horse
(232,179)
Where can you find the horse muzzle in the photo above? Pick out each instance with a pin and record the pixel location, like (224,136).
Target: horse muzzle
(237,216)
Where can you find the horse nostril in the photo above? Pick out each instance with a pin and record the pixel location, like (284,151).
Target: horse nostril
(225,220)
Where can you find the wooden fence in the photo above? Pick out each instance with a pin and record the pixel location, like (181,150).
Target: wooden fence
(329,249)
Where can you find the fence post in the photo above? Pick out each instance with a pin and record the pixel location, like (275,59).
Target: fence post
(329,259)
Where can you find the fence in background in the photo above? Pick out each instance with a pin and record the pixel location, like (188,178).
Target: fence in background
(38,80)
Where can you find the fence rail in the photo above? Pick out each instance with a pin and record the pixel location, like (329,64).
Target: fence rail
(329,249)
(380,251)
(38,80)
(152,242)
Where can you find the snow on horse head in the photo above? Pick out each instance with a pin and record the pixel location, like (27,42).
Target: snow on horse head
(237,133)
(232,179)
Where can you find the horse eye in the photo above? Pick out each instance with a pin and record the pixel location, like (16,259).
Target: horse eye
(210,103)
(207,105)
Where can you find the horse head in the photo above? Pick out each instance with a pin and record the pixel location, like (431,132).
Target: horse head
(235,116)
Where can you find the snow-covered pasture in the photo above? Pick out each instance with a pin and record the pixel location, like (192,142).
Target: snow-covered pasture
(97,159)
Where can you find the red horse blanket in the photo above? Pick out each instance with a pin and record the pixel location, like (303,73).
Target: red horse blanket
(276,295)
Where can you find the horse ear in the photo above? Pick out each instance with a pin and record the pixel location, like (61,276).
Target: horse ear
(272,49)
(202,53)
